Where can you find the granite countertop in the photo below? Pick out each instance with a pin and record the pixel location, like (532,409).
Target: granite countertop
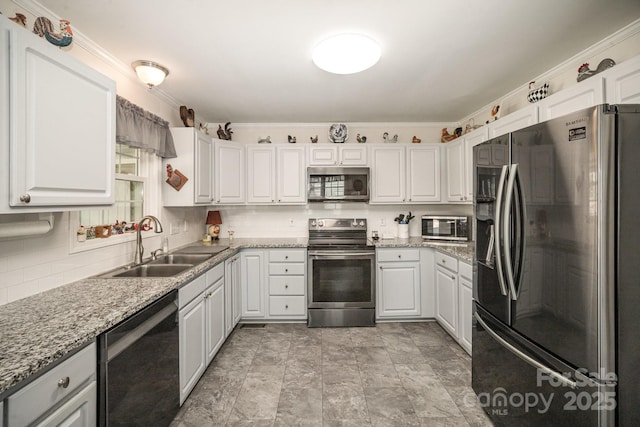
(38,330)
(463,251)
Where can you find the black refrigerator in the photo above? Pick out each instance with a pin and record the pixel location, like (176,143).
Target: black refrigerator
(556,334)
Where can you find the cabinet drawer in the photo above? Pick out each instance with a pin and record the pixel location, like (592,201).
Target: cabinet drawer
(283,269)
(287,306)
(191,290)
(465,270)
(447,261)
(30,402)
(286,256)
(286,285)
(215,274)
(390,255)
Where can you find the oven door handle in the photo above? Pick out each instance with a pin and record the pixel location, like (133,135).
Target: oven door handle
(339,253)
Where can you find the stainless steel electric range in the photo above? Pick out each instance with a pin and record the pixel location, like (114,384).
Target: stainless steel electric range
(341,279)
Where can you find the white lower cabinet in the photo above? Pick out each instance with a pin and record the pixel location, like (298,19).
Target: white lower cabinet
(398,283)
(65,395)
(447,293)
(253,284)
(233,303)
(287,278)
(201,323)
(465,305)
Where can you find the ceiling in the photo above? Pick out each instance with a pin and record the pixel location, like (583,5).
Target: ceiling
(248,61)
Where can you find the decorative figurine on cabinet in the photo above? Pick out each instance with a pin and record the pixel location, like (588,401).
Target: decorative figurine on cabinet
(584,72)
(266,140)
(291,139)
(20,19)
(536,94)
(361,139)
(226,133)
(44,28)
(416,140)
(314,140)
(188,116)
(386,138)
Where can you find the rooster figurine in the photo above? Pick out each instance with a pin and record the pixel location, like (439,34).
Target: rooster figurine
(584,72)
(44,28)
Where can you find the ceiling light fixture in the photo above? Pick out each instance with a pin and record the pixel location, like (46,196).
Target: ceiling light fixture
(346,53)
(149,72)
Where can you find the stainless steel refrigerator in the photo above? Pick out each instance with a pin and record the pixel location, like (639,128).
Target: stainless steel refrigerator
(556,336)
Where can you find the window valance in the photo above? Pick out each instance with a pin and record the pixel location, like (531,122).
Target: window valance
(138,128)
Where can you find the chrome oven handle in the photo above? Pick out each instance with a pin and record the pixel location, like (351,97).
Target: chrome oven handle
(339,253)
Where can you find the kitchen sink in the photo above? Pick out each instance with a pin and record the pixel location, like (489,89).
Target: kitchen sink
(149,270)
(193,259)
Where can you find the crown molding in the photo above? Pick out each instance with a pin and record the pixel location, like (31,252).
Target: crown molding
(618,37)
(380,125)
(81,41)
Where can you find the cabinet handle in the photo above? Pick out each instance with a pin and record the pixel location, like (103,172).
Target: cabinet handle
(25,198)
(63,382)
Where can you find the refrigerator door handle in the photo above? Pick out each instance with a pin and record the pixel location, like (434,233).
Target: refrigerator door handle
(497,241)
(564,380)
(506,231)
(521,242)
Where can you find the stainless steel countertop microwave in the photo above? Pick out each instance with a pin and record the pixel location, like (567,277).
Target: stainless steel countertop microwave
(441,227)
(337,184)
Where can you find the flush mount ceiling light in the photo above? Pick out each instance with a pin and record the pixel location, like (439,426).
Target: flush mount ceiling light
(346,53)
(149,72)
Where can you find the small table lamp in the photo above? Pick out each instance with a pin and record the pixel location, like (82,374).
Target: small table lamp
(214,220)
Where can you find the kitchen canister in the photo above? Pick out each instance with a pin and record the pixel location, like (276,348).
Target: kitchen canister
(403,231)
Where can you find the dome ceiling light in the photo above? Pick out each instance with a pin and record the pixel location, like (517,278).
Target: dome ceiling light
(346,53)
(149,72)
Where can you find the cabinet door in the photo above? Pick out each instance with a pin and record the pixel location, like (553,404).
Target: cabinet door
(388,174)
(517,120)
(398,289)
(423,174)
(585,94)
(237,290)
(62,127)
(465,306)
(447,300)
(229,173)
(455,171)
(261,175)
(471,140)
(192,345)
(215,311)
(323,155)
(80,411)
(253,284)
(292,183)
(228,296)
(203,152)
(623,82)
(352,156)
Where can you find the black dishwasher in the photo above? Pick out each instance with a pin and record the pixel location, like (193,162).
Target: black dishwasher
(139,368)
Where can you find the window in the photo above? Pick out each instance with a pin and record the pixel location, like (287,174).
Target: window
(115,222)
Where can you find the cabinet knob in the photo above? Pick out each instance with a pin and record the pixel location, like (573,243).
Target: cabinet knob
(453,277)
(273,200)
(399,256)
(444,261)
(286,307)
(461,198)
(286,270)
(63,382)
(286,286)
(286,257)
(25,198)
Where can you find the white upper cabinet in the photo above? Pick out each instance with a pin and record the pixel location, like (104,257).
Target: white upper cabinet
(455,170)
(585,94)
(388,174)
(195,160)
(57,124)
(623,83)
(291,175)
(337,155)
(517,120)
(261,174)
(423,173)
(229,172)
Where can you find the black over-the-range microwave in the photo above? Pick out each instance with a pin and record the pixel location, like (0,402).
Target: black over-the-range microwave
(446,228)
(338,184)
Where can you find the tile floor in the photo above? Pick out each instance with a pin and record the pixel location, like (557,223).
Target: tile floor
(396,374)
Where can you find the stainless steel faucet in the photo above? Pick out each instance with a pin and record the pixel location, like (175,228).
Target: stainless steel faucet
(157,227)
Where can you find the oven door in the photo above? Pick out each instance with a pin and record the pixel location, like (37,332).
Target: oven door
(341,279)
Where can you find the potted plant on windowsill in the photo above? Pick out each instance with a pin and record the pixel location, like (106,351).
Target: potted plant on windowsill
(403,225)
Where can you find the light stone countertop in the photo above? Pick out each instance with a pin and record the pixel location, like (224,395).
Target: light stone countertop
(37,331)
(463,251)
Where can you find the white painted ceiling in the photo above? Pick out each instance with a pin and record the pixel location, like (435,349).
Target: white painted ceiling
(249,61)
